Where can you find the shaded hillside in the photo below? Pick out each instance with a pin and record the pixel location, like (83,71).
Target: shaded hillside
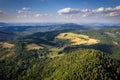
(27,29)
(7,36)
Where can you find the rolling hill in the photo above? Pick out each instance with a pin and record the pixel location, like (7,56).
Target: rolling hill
(77,65)
(62,54)
(7,36)
(106,40)
(23,29)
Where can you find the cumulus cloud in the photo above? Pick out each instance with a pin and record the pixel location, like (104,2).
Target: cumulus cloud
(27,14)
(101,9)
(117,8)
(113,14)
(68,11)
(88,12)
(24,10)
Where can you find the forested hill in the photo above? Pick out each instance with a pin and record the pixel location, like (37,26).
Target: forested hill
(77,65)
(84,64)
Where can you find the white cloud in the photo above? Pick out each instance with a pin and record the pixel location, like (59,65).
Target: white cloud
(68,11)
(101,9)
(88,12)
(72,11)
(40,15)
(117,8)
(113,14)
(66,15)
(84,15)
(24,10)
(108,9)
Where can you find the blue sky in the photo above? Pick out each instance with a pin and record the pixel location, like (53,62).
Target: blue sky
(79,11)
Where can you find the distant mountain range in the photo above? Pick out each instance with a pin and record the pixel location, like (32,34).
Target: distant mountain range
(30,28)
(4,24)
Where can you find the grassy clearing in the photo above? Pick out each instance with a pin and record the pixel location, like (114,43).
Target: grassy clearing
(9,51)
(7,45)
(77,39)
(33,46)
(115,43)
(55,49)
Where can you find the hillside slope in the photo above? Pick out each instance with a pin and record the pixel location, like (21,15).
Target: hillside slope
(77,65)
(105,40)
(7,36)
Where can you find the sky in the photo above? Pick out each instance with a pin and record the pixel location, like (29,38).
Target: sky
(78,11)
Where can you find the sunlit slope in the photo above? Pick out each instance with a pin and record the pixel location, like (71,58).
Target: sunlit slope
(33,47)
(6,45)
(77,39)
(6,50)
